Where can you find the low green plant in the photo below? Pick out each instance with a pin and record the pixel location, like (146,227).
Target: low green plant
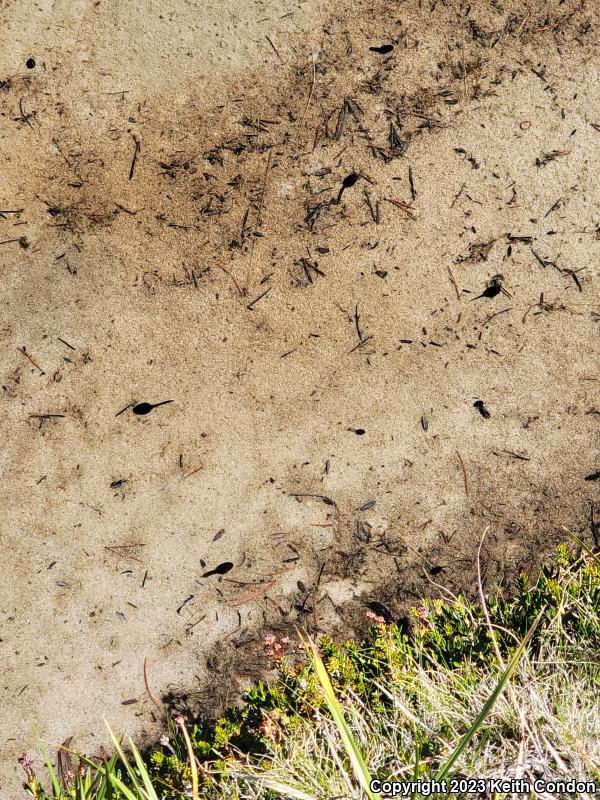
(469,689)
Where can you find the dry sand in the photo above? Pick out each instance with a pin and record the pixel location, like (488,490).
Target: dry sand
(168,233)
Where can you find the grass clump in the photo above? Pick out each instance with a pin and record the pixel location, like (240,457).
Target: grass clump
(508,688)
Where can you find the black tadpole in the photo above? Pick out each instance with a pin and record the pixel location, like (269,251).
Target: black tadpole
(221,569)
(383,49)
(493,288)
(491,291)
(350,180)
(146,408)
(480,406)
(347,183)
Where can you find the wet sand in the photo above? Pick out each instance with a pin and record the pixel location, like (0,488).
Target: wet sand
(293,233)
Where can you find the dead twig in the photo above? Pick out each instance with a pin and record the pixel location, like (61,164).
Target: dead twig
(312,87)
(453,281)
(406,207)
(193,472)
(275,50)
(134,158)
(247,598)
(457,195)
(150,695)
(30,359)
(242,291)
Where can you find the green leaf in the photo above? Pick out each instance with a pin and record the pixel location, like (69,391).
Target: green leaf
(349,742)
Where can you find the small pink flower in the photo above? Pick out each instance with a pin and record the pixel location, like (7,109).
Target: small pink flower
(27,763)
(272,647)
(379,620)
(268,729)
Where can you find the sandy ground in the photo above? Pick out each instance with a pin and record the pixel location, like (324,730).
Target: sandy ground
(295,238)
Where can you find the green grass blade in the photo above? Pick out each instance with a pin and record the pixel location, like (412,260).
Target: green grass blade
(127,793)
(104,789)
(128,767)
(350,744)
(56,787)
(142,769)
(489,704)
